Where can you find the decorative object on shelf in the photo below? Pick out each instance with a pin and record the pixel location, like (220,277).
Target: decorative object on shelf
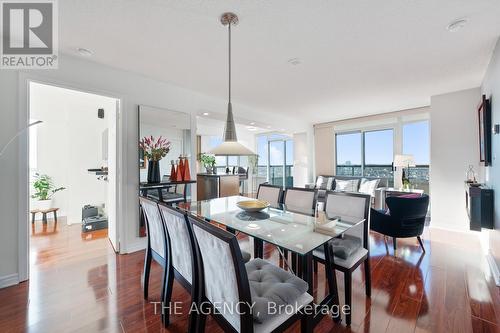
(230,146)
(404,161)
(470,175)
(180,169)
(173,171)
(44,191)
(154,151)
(187,171)
(496,129)
(208,162)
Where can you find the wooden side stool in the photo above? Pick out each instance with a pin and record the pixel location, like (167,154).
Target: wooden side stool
(44,214)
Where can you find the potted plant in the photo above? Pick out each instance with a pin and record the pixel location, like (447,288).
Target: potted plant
(154,151)
(208,161)
(44,191)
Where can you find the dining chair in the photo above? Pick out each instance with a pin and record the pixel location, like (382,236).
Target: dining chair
(181,260)
(157,242)
(226,283)
(270,193)
(352,250)
(300,200)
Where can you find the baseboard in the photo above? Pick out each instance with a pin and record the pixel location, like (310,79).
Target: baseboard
(137,246)
(495,272)
(9,280)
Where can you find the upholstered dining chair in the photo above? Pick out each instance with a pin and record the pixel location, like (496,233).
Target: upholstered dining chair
(300,200)
(157,242)
(270,193)
(227,283)
(181,263)
(404,219)
(353,249)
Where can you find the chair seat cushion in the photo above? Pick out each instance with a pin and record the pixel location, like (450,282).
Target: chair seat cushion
(269,283)
(343,248)
(352,260)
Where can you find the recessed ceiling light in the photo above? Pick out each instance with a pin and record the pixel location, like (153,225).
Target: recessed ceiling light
(84,52)
(252,123)
(251,128)
(268,126)
(294,61)
(457,25)
(206,113)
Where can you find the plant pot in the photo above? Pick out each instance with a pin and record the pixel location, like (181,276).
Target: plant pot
(210,170)
(154,172)
(43,204)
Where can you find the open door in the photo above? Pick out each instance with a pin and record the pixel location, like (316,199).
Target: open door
(112,158)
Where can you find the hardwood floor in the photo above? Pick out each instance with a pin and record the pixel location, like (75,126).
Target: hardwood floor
(78,284)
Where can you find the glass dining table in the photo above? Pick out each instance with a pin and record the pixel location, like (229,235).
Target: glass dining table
(292,229)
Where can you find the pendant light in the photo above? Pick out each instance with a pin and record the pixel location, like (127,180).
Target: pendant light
(230,146)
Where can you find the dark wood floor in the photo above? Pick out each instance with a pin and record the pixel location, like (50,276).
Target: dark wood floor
(78,284)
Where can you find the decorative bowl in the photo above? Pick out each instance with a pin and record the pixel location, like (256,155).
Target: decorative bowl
(253,205)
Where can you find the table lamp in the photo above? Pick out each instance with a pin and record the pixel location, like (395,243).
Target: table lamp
(404,161)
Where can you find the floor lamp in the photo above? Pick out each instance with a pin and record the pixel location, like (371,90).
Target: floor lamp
(17,135)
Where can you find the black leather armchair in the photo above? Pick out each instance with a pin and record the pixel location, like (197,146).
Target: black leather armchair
(406,218)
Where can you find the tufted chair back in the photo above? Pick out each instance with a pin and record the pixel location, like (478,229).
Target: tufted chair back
(300,200)
(349,205)
(270,193)
(179,235)
(223,273)
(155,227)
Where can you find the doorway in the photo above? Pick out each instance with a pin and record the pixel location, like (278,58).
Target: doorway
(72,168)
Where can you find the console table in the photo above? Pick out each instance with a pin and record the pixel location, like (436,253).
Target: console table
(479,205)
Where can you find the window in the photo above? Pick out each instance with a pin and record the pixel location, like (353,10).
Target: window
(378,153)
(416,141)
(275,164)
(368,154)
(348,148)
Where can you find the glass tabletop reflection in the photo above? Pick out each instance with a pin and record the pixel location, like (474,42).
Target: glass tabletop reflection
(291,228)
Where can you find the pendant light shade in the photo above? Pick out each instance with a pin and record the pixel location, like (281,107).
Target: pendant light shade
(230,146)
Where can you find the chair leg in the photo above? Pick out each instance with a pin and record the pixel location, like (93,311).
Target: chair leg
(394,244)
(305,324)
(315,266)
(368,278)
(193,317)
(348,296)
(167,294)
(147,270)
(421,243)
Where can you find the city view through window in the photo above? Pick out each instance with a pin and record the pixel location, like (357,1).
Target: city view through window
(371,153)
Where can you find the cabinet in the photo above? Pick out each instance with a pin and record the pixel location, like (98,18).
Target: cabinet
(479,205)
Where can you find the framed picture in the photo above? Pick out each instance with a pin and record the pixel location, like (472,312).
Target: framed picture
(484,117)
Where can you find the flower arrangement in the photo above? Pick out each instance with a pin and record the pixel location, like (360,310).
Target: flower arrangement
(154,149)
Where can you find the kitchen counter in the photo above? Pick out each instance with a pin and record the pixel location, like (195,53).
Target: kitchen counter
(211,186)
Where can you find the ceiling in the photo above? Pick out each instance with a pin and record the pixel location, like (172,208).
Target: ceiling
(356,57)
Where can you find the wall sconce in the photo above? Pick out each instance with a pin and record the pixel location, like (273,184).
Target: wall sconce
(496,129)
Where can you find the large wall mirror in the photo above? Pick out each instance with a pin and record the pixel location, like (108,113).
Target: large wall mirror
(175,128)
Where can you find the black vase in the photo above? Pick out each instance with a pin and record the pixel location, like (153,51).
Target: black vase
(153,172)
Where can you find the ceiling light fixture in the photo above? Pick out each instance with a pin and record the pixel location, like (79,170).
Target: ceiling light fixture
(252,123)
(294,61)
(84,52)
(206,113)
(230,146)
(457,25)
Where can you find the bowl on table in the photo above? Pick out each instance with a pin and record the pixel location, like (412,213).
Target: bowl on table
(252,205)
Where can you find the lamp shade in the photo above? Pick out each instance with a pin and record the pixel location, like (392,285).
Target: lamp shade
(231,148)
(404,161)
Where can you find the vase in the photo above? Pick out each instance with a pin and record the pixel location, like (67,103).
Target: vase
(173,173)
(43,204)
(187,172)
(180,169)
(154,172)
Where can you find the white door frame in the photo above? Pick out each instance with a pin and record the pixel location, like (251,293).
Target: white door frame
(24,79)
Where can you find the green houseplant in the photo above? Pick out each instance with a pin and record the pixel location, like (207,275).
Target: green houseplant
(208,161)
(44,191)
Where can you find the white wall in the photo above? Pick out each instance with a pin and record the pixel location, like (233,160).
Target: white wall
(133,90)
(491,88)
(454,146)
(69,142)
